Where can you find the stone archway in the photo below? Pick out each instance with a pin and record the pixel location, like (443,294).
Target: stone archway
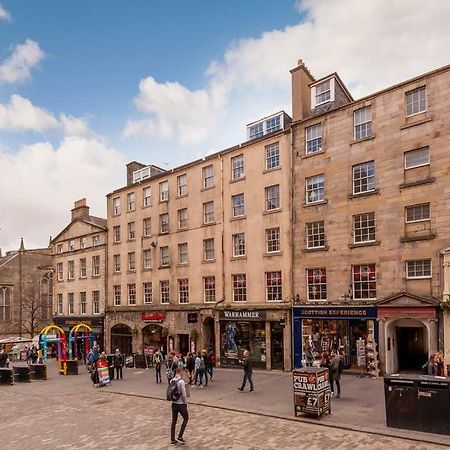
(209,336)
(121,338)
(153,339)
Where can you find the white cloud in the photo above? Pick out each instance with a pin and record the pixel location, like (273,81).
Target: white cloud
(371,44)
(20,115)
(40,182)
(4,15)
(17,68)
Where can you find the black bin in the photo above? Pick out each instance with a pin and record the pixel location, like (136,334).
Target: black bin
(72,367)
(139,362)
(433,403)
(21,374)
(400,394)
(6,376)
(110,359)
(38,371)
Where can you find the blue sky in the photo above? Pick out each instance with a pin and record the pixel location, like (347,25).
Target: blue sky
(88,85)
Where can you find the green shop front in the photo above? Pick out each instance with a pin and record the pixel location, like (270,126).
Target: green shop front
(321,329)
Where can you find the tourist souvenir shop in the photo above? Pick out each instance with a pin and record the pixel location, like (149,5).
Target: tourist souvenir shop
(325,328)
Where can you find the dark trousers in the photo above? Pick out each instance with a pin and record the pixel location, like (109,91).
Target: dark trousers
(210,370)
(338,386)
(199,376)
(178,409)
(247,377)
(118,372)
(158,373)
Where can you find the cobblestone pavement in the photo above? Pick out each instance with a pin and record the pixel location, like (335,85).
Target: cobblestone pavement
(96,418)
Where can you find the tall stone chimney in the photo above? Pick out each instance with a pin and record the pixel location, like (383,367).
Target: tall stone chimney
(301,92)
(80,210)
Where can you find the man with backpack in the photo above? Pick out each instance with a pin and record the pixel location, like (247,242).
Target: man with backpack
(177,394)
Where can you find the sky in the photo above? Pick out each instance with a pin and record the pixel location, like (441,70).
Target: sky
(87,86)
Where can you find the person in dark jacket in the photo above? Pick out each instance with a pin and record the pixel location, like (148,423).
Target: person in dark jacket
(248,372)
(119,361)
(433,365)
(335,373)
(190,366)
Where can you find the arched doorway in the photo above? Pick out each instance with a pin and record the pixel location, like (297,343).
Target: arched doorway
(209,335)
(121,338)
(152,339)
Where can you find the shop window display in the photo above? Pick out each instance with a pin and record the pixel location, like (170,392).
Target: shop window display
(239,336)
(322,336)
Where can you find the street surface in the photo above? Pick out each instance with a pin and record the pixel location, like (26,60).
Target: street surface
(67,413)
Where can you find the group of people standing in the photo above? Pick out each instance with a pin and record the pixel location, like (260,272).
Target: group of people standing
(435,365)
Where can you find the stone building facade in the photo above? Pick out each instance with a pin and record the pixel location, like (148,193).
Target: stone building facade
(25,291)
(79,266)
(370,216)
(199,256)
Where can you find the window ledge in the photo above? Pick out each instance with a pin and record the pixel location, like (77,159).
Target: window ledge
(163,201)
(235,180)
(164,234)
(117,272)
(183,265)
(268,255)
(117,243)
(232,219)
(425,237)
(82,278)
(148,236)
(70,279)
(131,240)
(316,249)
(364,244)
(357,141)
(182,196)
(146,206)
(273,211)
(363,194)
(208,261)
(207,188)
(147,269)
(181,230)
(308,205)
(417,183)
(237,258)
(164,267)
(417,122)
(308,155)
(273,169)
(209,224)
(131,211)
(131,271)
(96,276)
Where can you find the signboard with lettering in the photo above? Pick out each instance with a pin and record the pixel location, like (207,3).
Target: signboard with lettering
(192,317)
(155,317)
(312,394)
(427,312)
(335,312)
(242,315)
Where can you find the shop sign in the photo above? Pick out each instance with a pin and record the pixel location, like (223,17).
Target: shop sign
(192,317)
(335,312)
(242,315)
(72,321)
(419,313)
(153,317)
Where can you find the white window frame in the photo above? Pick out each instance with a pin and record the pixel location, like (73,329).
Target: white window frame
(131,261)
(72,245)
(238,205)
(71,303)
(147,227)
(417,150)
(238,245)
(164,191)
(131,294)
(416,206)
(116,234)
(271,239)
(208,215)
(147,196)
(208,176)
(71,270)
(83,303)
(147,258)
(313,136)
(95,302)
(274,290)
(206,249)
(315,232)
(83,268)
(237,167)
(272,156)
(318,180)
(238,290)
(60,304)
(147,292)
(117,294)
(182,185)
(164,292)
(164,256)
(96,240)
(164,223)
(131,231)
(362,123)
(209,291)
(183,256)
(183,291)
(272,202)
(369,177)
(83,242)
(314,93)
(59,271)
(364,225)
(317,284)
(116,206)
(116,263)
(182,216)
(354,282)
(412,92)
(131,202)
(418,277)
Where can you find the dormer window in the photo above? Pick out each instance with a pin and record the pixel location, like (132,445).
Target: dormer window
(323,92)
(256,131)
(267,125)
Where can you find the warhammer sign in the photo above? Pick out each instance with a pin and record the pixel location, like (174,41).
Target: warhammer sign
(153,317)
(243,315)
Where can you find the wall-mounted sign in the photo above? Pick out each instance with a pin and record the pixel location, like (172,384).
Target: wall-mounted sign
(427,312)
(154,317)
(335,312)
(192,317)
(242,315)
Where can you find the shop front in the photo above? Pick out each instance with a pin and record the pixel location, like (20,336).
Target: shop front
(95,322)
(321,329)
(262,332)
(153,335)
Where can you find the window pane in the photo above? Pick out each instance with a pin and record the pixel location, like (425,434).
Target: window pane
(416,158)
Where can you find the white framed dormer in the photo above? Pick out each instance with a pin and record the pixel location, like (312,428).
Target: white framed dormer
(265,126)
(322,92)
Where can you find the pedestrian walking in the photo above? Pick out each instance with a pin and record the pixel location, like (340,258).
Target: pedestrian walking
(248,372)
(200,370)
(335,369)
(177,393)
(171,366)
(190,367)
(157,361)
(3,358)
(119,361)
(212,359)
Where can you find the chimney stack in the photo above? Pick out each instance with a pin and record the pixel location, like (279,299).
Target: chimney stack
(301,92)
(80,210)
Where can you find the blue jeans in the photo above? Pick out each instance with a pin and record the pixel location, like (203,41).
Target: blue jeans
(158,373)
(247,377)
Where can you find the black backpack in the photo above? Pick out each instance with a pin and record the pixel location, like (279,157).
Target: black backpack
(172,392)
